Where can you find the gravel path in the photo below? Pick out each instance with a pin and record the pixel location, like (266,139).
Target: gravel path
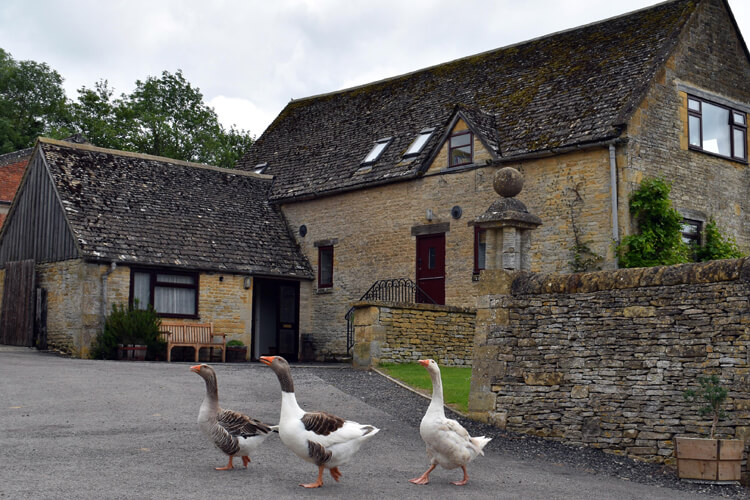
(405,405)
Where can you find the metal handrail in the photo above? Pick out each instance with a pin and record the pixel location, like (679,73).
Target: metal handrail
(402,290)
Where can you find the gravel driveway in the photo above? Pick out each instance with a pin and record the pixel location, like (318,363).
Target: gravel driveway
(103,429)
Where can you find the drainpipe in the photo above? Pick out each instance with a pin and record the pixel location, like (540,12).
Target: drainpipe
(613,191)
(112,267)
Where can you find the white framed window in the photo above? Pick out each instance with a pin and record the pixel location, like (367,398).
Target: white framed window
(376,151)
(418,144)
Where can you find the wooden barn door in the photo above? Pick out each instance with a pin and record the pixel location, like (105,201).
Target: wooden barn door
(17,318)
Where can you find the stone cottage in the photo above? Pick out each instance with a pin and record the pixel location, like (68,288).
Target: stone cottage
(198,243)
(386,180)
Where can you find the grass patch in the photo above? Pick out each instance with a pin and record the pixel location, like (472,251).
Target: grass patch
(456,380)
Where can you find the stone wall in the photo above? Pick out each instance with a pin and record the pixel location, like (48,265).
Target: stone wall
(76,311)
(372,231)
(397,333)
(603,359)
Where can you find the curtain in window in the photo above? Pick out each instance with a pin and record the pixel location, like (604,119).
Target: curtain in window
(169,300)
(141,290)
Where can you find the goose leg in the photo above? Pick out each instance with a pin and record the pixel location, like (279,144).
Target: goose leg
(245,460)
(335,473)
(464,480)
(319,482)
(424,478)
(228,466)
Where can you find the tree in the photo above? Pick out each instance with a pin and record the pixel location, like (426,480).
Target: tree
(660,225)
(99,118)
(32,103)
(163,116)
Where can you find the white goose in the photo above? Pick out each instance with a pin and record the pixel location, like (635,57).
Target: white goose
(448,443)
(231,431)
(317,437)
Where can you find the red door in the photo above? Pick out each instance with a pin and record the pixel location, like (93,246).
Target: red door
(431,268)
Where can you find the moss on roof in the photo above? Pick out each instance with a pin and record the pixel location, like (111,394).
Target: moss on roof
(564,89)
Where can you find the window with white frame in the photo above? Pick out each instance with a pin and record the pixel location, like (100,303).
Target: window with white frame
(172,294)
(717,129)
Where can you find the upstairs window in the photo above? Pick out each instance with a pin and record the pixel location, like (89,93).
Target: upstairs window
(480,249)
(419,143)
(717,129)
(376,151)
(460,149)
(172,294)
(325,267)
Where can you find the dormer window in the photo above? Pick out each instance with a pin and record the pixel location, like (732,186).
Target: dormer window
(260,167)
(460,149)
(376,150)
(419,143)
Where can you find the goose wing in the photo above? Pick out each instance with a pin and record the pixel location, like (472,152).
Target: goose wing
(238,425)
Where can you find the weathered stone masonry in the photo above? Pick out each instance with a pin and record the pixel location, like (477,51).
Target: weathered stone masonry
(603,359)
(394,333)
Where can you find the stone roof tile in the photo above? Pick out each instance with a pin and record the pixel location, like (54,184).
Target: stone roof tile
(570,88)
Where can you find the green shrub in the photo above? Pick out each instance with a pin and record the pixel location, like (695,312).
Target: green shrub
(129,325)
(235,343)
(660,225)
(717,246)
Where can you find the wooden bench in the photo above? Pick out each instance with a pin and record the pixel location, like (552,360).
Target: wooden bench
(195,335)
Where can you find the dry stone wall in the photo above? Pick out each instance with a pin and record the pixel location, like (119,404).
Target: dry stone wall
(603,359)
(396,333)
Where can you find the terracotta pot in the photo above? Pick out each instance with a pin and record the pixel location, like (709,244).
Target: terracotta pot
(709,459)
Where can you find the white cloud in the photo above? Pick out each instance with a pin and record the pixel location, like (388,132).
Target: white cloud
(242,113)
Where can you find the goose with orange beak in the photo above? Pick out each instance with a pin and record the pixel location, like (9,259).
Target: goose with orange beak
(320,438)
(448,443)
(232,432)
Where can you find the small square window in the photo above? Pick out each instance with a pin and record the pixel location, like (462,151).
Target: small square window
(691,231)
(325,267)
(376,151)
(460,149)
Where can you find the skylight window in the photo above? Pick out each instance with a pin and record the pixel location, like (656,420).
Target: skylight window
(419,142)
(377,150)
(260,167)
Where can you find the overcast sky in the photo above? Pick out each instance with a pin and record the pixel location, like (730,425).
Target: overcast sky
(250,57)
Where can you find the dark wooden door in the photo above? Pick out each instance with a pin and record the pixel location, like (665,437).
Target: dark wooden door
(19,289)
(276,318)
(431,268)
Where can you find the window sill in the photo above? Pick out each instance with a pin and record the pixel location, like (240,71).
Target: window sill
(323,291)
(716,155)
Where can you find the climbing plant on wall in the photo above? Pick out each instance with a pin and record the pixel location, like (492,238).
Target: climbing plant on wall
(716,245)
(659,241)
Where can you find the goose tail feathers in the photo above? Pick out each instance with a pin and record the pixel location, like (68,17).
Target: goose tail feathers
(480,442)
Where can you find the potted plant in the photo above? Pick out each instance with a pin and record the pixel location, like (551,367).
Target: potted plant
(236,352)
(129,334)
(709,459)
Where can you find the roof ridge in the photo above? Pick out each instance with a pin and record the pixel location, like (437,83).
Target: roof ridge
(485,52)
(130,154)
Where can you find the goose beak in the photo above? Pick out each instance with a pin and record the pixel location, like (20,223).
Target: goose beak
(424,362)
(195,368)
(267,360)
